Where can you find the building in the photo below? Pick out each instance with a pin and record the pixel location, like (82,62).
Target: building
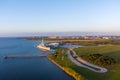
(52,37)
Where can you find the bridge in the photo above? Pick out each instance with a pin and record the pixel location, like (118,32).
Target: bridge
(25,56)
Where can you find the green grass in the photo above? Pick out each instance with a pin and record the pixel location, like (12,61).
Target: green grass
(65,62)
(113,71)
(112,51)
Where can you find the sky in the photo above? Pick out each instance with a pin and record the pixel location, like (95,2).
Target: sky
(33,16)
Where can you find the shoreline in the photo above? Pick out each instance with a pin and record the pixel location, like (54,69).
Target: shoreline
(64,70)
(51,60)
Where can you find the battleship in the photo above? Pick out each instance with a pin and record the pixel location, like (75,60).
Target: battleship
(43,47)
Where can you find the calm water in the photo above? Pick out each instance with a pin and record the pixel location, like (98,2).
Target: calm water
(26,68)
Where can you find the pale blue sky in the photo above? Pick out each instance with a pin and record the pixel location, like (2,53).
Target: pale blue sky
(30,16)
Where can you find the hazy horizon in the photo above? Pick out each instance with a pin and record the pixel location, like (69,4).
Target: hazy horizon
(61,34)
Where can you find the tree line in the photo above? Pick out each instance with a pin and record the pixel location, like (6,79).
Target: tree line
(100,59)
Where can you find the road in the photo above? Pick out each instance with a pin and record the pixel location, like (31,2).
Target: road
(82,63)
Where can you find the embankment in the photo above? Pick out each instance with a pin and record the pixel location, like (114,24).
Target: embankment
(68,70)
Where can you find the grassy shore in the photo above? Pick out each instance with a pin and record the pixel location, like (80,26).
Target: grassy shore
(62,62)
(113,71)
(60,59)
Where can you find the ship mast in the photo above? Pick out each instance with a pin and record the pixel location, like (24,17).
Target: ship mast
(42,42)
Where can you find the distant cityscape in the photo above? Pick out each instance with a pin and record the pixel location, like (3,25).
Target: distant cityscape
(84,37)
(80,37)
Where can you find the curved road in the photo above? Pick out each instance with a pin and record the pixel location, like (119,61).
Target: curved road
(80,62)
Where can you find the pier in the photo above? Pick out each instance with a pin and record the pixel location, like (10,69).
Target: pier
(25,56)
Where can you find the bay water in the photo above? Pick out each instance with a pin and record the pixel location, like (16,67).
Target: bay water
(39,68)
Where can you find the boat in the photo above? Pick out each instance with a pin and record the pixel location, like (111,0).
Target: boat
(43,47)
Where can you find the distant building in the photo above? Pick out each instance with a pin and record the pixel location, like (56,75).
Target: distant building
(105,37)
(53,44)
(85,37)
(52,37)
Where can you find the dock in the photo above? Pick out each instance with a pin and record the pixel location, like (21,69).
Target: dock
(25,56)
